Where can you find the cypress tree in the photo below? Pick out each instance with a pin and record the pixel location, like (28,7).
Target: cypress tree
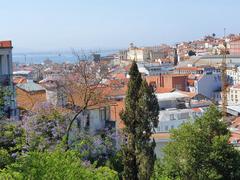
(147,111)
(140,116)
(129,118)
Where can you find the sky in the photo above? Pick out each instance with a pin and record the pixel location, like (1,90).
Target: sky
(48,25)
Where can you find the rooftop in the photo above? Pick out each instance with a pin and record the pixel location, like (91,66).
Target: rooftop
(30,87)
(170,96)
(23,72)
(5,44)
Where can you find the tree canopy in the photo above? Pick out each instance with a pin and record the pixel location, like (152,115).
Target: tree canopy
(55,165)
(200,150)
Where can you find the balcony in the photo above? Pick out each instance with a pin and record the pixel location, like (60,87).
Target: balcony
(5,80)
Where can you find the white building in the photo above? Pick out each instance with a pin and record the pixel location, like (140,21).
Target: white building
(173,118)
(233,74)
(138,54)
(153,69)
(6,71)
(205,84)
(233,96)
(182,99)
(95,118)
(170,100)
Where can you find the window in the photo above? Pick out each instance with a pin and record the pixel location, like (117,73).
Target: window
(87,122)
(9,65)
(103,114)
(166,128)
(184,115)
(172,126)
(171,116)
(194,114)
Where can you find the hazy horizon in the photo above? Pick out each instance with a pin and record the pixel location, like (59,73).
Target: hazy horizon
(46,26)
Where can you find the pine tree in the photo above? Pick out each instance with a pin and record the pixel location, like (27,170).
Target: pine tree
(140,116)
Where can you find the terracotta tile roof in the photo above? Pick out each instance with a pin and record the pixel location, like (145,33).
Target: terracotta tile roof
(19,79)
(164,90)
(236,123)
(188,68)
(5,44)
(174,75)
(235,137)
(119,75)
(127,68)
(190,82)
(236,39)
(159,136)
(196,109)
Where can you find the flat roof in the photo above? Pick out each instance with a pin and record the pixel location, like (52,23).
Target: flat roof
(170,96)
(234,108)
(21,72)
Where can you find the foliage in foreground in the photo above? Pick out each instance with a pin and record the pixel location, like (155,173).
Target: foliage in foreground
(12,142)
(55,165)
(200,150)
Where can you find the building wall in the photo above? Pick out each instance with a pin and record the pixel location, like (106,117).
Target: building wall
(56,97)
(6,61)
(94,119)
(96,122)
(138,54)
(6,70)
(208,84)
(233,96)
(235,47)
(168,81)
(174,82)
(170,119)
(233,75)
(28,100)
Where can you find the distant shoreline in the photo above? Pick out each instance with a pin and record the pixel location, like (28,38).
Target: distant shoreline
(57,57)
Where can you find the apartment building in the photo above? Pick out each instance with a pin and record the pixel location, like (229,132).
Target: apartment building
(6,81)
(173,118)
(205,84)
(235,47)
(233,74)
(234,95)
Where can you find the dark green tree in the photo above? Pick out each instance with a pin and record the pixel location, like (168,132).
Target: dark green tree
(191,53)
(147,119)
(200,150)
(129,118)
(140,116)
